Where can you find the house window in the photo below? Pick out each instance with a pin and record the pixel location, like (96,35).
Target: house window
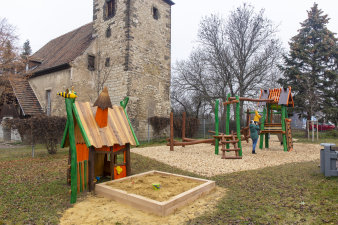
(155,13)
(107,62)
(91,62)
(110,8)
(48,102)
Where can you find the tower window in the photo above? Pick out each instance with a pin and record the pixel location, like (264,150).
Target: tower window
(91,62)
(110,8)
(107,62)
(155,13)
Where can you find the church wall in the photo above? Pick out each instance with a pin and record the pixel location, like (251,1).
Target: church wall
(112,47)
(149,83)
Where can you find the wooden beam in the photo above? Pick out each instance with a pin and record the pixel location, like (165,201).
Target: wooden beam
(128,166)
(251,99)
(183,125)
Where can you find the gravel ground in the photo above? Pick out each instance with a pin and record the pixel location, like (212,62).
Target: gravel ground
(201,159)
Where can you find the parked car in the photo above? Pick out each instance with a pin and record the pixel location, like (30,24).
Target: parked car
(322,127)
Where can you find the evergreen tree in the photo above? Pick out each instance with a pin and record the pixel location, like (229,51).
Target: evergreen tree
(310,68)
(27,50)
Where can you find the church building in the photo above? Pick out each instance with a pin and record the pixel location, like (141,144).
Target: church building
(127,47)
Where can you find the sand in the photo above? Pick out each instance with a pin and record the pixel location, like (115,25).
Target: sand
(170,186)
(97,210)
(199,159)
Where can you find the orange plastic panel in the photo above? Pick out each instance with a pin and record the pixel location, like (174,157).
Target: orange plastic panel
(122,174)
(82,152)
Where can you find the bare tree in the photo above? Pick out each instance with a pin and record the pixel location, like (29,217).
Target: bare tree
(10,61)
(235,56)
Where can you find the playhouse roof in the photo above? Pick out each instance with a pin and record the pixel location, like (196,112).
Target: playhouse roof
(117,130)
(280,96)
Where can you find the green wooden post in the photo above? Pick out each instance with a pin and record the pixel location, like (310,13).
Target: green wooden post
(72,145)
(268,119)
(261,140)
(284,128)
(227,125)
(124,105)
(216,127)
(238,125)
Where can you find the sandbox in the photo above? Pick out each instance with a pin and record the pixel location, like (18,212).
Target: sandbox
(168,200)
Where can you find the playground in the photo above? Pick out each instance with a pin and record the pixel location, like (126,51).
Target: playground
(200,159)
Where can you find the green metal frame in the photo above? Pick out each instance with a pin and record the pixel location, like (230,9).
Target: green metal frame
(268,119)
(261,139)
(238,125)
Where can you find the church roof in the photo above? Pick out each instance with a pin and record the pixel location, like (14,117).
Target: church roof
(59,52)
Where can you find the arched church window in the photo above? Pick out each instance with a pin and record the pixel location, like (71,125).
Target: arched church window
(110,8)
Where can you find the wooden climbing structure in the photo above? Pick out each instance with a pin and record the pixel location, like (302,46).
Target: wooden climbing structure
(225,140)
(99,139)
(184,141)
(276,101)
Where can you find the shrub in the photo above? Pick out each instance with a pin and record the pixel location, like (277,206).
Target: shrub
(41,129)
(158,123)
(191,126)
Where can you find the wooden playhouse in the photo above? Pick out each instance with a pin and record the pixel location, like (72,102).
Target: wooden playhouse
(99,139)
(276,101)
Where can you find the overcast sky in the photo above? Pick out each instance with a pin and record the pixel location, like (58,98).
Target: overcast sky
(43,20)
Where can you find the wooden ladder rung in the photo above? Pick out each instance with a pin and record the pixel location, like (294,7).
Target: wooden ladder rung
(272,131)
(229,142)
(232,149)
(232,157)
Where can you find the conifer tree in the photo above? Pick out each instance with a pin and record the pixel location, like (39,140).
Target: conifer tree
(27,50)
(311,66)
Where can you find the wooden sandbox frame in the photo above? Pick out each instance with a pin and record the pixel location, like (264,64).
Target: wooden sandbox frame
(152,206)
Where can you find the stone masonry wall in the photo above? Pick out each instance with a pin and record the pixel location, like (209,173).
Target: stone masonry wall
(113,47)
(149,79)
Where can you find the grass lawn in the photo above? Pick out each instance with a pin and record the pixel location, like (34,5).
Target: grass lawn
(34,191)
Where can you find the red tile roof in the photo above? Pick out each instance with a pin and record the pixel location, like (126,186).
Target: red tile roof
(28,102)
(62,50)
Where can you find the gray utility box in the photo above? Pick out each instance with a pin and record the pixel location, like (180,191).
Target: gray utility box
(328,160)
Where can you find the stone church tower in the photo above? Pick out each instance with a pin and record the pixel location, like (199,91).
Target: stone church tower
(133,44)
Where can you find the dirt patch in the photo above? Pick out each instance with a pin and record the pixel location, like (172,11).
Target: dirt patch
(201,158)
(170,186)
(97,210)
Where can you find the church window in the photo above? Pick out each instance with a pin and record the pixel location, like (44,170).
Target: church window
(155,13)
(91,62)
(110,8)
(107,63)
